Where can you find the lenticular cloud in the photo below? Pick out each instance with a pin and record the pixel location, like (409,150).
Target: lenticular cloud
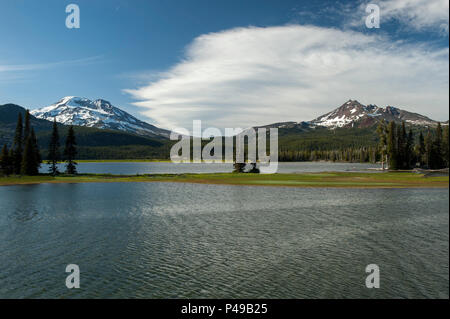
(254,76)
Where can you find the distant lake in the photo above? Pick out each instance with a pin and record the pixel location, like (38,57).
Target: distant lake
(132,168)
(174,240)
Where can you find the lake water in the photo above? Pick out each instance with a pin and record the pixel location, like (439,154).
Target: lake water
(132,168)
(174,240)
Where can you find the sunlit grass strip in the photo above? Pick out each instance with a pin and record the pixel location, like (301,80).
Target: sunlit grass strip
(125,161)
(329,179)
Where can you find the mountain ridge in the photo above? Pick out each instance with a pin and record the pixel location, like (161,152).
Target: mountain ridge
(93,143)
(354,114)
(72,110)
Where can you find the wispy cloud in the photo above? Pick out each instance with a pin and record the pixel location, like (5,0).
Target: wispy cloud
(43,66)
(253,76)
(141,77)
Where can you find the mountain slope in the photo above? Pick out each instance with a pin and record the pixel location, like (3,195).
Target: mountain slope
(93,143)
(99,114)
(10,112)
(8,121)
(350,126)
(354,114)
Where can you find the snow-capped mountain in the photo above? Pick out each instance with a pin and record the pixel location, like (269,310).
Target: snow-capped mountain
(73,110)
(354,113)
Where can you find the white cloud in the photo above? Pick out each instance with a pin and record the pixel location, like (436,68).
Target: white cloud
(43,66)
(253,76)
(419,15)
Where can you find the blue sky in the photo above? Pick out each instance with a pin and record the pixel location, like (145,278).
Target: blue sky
(147,53)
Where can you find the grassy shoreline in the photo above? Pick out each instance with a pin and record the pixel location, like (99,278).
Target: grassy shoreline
(123,161)
(320,180)
(134,161)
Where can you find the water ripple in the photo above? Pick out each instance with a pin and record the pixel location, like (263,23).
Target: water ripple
(164,240)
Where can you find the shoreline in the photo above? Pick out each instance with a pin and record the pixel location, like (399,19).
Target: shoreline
(122,161)
(303,180)
(170,161)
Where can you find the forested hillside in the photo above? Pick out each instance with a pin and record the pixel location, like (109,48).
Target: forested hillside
(93,143)
(297,142)
(356,144)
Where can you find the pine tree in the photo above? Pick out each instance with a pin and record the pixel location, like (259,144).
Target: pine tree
(5,162)
(401,147)
(11,159)
(438,152)
(429,152)
(27,128)
(3,157)
(411,160)
(18,145)
(445,147)
(392,145)
(37,154)
(421,150)
(381,130)
(53,150)
(70,152)
(29,166)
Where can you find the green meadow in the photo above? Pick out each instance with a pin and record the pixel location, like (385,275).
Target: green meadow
(331,179)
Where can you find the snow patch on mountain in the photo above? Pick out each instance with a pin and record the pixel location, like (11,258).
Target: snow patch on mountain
(72,110)
(353,112)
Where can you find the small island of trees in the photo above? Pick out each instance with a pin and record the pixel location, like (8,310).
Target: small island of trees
(24,158)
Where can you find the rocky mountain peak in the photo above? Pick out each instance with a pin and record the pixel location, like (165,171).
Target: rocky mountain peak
(72,110)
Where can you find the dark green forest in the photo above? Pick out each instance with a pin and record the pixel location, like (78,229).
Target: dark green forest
(93,143)
(397,145)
